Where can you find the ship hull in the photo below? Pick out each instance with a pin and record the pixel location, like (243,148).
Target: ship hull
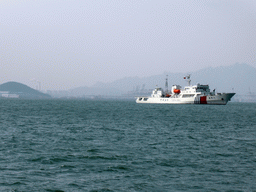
(221,99)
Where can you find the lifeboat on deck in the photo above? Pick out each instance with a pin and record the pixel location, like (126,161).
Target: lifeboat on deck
(177,91)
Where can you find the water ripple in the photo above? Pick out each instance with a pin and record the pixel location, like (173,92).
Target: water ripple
(65,145)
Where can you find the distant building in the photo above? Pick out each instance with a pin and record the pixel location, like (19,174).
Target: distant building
(6,94)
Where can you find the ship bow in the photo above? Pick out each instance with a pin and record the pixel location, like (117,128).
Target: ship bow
(229,96)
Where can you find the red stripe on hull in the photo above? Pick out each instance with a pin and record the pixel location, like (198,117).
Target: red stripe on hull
(203,100)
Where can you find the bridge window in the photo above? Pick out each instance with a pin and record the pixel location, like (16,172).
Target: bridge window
(188,95)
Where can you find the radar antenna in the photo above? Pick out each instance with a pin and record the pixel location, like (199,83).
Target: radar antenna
(188,79)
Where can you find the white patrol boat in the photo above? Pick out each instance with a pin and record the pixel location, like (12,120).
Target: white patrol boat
(196,94)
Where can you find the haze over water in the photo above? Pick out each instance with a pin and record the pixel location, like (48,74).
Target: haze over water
(86,145)
(73,43)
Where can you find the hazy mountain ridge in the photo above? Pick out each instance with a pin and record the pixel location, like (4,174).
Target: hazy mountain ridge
(238,78)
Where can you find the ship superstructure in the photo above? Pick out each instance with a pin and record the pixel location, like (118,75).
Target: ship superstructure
(196,94)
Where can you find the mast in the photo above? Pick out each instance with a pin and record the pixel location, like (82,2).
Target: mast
(166,84)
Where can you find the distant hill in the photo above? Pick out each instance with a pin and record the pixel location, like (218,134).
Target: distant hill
(239,78)
(12,89)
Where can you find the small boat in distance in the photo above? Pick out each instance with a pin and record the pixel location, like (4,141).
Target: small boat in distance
(196,94)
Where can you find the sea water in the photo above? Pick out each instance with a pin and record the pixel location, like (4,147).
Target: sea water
(113,145)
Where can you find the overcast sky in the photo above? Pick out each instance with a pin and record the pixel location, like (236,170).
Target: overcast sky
(72,43)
